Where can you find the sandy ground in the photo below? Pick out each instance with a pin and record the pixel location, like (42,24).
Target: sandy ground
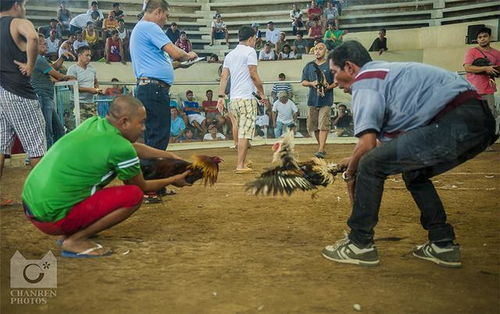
(220,250)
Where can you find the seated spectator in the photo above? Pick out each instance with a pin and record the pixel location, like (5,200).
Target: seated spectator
(313,48)
(177,126)
(95,8)
(262,120)
(110,24)
(267,54)
(258,35)
(193,112)
(213,58)
(331,14)
(272,34)
(281,42)
(212,114)
(115,90)
(219,30)
(119,15)
(287,53)
(338,5)
(88,86)
(173,32)
(52,46)
(79,22)
(184,43)
(333,37)
(213,134)
(67,49)
(63,15)
(314,13)
(281,87)
(113,50)
(124,35)
(296,17)
(79,41)
(343,122)
(380,43)
(315,30)
(53,25)
(187,136)
(284,113)
(300,44)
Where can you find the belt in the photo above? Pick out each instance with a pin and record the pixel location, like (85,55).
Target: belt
(456,102)
(147,80)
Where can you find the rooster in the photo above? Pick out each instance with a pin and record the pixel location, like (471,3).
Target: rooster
(292,175)
(203,167)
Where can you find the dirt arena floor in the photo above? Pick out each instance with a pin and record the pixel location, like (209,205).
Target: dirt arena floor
(220,250)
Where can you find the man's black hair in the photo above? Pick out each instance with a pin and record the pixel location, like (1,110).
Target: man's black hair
(281,75)
(209,90)
(486,30)
(383,30)
(82,49)
(245,33)
(6,5)
(300,33)
(352,51)
(173,24)
(116,4)
(53,20)
(94,3)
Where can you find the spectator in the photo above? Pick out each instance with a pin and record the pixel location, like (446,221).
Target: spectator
(219,30)
(312,51)
(124,36)
(333,37)
(79,22)
(95,8)
(281,42)
(177,125)
(64,15)
(380,43)
(92,38)
(281,87)
(480,74)
(284,113)
(267,54)
(258,34)
(173,32)
(184,43)
(213,58)
(88,86)
(187,136)
(262,120)
(52,45)
(113,51)
(272,34)
(79,41)
(110,24)
(212,114)
(115,90)
(315,30)
(213,134)
(338,5)
(53,25)
(296,17)
(193,112)
(331,14)
(41,80)
(67,49)
(343,122)
(300,45)
(287,53)
(119,15)
(314,13)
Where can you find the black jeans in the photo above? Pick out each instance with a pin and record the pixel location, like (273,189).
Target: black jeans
(157,103)
(419,155)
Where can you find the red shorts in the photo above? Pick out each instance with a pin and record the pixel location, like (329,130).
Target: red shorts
(91,209)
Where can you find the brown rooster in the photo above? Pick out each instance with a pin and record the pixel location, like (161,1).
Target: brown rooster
(203,167)
(292,175)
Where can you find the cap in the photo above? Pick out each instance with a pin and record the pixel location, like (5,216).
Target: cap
(255,25)
(270,22)
(282,94)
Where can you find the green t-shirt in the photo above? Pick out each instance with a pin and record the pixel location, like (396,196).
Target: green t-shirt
(335,36)
(80,163)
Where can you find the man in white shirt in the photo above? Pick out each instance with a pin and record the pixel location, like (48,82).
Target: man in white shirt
(79,22)
(272,34)
(284,113)
(267,54)
(241,65)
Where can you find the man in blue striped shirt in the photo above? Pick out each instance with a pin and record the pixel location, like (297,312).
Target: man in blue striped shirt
(429,121)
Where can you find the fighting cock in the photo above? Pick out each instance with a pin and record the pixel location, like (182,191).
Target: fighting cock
(292,175)
(203,167)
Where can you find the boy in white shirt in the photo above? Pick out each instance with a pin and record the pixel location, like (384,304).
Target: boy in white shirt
(213,135)
(284,113)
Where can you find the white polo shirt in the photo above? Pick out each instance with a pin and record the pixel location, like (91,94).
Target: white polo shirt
(237,61)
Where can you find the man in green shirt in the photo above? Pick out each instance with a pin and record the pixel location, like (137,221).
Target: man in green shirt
(333,36)
(65,194)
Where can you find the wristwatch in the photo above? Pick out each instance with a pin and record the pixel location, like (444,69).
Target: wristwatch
(346,177)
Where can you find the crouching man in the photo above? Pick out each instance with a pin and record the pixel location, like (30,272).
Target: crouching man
(65,195)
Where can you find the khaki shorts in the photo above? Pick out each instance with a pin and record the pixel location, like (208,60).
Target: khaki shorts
(245,112)
(319,119)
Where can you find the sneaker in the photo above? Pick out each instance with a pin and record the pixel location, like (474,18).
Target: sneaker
(345,251)
(321,155)
(447,256)
(151,198)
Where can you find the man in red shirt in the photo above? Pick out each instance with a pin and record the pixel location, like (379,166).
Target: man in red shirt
(211,112)
(314,13)
(483,77)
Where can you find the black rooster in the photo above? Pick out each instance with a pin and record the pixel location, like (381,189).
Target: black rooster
(292,175)
(203,167)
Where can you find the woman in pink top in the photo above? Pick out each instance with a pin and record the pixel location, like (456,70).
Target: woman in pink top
(184,43)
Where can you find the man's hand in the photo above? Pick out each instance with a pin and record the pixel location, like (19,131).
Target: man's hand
(96,90)
(69,78)
(23,67)
(180,179)
(220,104)
(350,189)
(345,162)
(192,55)
(491,70)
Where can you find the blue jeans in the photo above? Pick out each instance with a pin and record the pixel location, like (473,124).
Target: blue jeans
(157,103)
(419,155)
(54,129)
(278,130)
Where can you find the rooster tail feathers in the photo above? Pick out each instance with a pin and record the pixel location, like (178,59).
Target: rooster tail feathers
(287,152)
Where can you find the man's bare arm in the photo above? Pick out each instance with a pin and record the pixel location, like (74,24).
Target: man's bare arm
(145,152)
